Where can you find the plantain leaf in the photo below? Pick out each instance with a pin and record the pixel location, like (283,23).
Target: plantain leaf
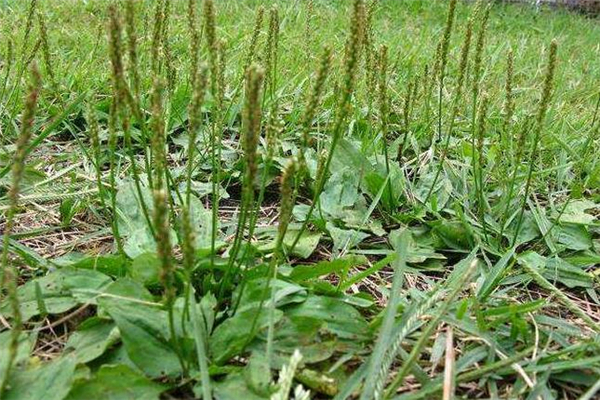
(145,334)
(116,382)
(61,291)
(231,337)
(339,266)
(92,338)
(50,381)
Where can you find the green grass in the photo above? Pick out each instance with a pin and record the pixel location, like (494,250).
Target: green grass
(167,247)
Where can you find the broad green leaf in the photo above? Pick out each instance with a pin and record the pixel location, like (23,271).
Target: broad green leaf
(201,221)
(208,305)
(441,192)
(139,241)
(300,211)
(131,220)
(145,335)
(112,265)
(528,231)
(339,266)
(561,271)
(235,333)
(145,269)
(130,214)
(338,317)
(340,191)
(534,259)
(116,355)
(49,381)
(305,246)
(285,293)
(373,183)
(419,251)
(128,289)
(116,382)
(575,212)
(556,270)
(91,339)
(345,238)
(234,387)
(574,237)
(347,155)
(304,334)
(25,345)
(258,373)
(61,291)
(453,234)
(203,189)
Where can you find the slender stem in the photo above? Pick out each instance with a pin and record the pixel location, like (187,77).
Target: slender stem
(527,188)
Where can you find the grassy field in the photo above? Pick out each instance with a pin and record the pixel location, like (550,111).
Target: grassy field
(298,199)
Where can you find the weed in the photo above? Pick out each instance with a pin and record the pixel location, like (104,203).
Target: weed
(366,200)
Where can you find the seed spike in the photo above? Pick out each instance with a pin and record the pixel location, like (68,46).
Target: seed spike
(314,100)
(251,123)
(258,20)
